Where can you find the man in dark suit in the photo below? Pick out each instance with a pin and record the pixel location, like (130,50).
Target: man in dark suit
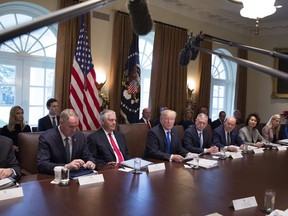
(64,146)
(163,141)
(204,109)
(227,136)
(107,145)
(196,138)
(52,119)
(9,166)
(146,115)
(220,120)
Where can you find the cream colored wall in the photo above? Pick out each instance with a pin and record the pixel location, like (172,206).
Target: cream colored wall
(259,84)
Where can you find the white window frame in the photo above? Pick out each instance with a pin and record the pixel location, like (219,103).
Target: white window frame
(229,85)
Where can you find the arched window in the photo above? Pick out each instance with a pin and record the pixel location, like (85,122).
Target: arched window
(223,80)
(145,54)
(27,63)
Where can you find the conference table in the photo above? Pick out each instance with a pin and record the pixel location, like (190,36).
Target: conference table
(174,191)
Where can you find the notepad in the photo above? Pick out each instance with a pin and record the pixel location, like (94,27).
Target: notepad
(80,172)
(7,183)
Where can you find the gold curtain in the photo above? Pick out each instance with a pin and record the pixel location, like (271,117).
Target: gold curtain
(67,37)
(168,79)
(241,84)
(122,36)
(204,77)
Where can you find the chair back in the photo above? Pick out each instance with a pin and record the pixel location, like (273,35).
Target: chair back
(28,150)
(135,136)
(180,130)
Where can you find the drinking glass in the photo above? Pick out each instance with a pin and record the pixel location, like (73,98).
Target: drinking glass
(269,201)
(196,162)
(137,165)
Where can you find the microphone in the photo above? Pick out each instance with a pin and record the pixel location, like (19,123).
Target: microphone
(140,17)
(190,51)
(186,53)
(196,42)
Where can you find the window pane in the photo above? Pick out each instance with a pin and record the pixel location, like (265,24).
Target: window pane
(221,91)
(7,74)
(37,76)
(35,82)
(21,18)
(50,77)
(49,93)
(37,114)
(7,95)
(4,115)
(7,20)
(36,96)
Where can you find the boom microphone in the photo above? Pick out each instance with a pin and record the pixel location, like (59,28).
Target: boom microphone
(140,17)
(190,51)
(185,53)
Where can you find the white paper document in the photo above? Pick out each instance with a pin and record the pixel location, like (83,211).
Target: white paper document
(205,163)
(130,163)
(244,203)
(283,142)
(190,156)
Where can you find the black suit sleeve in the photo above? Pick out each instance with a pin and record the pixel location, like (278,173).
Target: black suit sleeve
(154,147)
(190,143)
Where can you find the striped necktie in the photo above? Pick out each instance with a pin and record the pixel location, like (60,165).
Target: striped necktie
(116,149)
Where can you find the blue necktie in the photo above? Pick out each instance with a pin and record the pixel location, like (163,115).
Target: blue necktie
(168,142)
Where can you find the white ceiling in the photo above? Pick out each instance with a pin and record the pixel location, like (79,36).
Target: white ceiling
(227,14)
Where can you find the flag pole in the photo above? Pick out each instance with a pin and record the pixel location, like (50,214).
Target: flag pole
(53,17)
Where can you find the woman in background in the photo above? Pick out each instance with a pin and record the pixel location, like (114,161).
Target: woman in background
(187,120)
(250,133)
(16,125)
(271,130)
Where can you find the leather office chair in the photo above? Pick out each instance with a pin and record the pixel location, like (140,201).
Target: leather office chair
(180,131)
(135,136)
(28,150)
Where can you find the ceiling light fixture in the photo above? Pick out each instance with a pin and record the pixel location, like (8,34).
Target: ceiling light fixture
(255,9)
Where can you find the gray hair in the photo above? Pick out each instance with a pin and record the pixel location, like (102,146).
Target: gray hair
(67,113)
(105,113)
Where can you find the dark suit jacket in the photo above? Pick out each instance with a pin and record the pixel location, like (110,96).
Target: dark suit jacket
(7,156)
(51,150)
(13,134)
(156,145)
(45,123)
(142,121)
(216,123)
(191,140)
(101,149)
(219,138)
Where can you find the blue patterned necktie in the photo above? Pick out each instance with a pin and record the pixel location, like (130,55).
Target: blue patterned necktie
(168,142)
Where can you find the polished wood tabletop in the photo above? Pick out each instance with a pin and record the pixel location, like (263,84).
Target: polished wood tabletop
(173,191)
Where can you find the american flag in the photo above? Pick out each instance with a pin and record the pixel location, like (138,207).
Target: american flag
(133,87)
(84,97)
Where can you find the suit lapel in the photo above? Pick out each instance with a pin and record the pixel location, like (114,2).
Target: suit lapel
(106,141)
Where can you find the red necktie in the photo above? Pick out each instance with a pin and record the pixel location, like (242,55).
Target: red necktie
(116,149)
(148,124)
